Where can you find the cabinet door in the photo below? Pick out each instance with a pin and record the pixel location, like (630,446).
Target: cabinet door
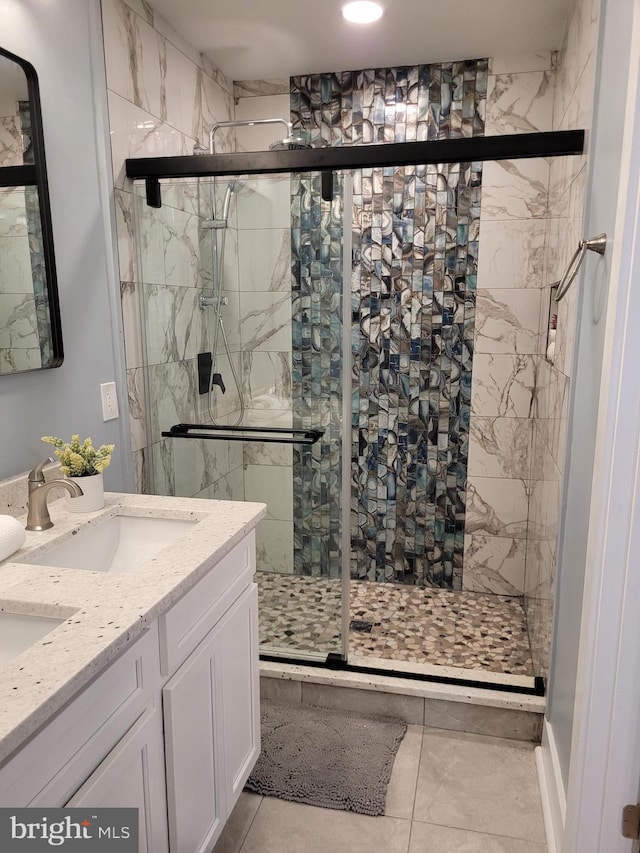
(212,728)
(238,685)
(195,793)
(65,752)
(133,776)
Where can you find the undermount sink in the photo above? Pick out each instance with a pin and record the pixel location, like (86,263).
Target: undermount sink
(119,545)
(19,631)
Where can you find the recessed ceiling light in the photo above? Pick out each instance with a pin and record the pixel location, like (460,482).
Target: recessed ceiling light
(362,12)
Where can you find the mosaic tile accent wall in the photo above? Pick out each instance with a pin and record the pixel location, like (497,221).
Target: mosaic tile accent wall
(317,375)
(415,235)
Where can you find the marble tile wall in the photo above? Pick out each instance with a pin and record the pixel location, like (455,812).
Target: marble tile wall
(261,89)
(263,221)
(10,140)
(176,267)
(266,105)
(36,251)
(19,339)
(224,245)
(572,108)
(24,333)
(514,224)
(163,97)
(413,298)
(264,242)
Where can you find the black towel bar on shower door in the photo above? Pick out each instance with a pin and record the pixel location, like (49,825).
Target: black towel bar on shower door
(281,435)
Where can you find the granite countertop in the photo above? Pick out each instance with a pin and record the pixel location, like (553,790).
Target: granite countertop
(103,612)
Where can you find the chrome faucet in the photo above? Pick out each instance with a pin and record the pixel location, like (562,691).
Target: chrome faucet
(38,513)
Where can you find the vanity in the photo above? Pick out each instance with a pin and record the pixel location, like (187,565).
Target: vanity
(129,654)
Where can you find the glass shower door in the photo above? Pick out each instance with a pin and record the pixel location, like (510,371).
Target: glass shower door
(242,306)
(300,553)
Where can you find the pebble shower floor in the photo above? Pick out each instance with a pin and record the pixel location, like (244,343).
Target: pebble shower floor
(408,623)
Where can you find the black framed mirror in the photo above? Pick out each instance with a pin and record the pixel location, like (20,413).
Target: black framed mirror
(30,329)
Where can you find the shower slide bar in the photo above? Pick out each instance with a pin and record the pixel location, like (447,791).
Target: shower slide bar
(594,244)
(279,435)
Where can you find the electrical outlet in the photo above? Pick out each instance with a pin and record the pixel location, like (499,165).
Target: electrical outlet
(109,401)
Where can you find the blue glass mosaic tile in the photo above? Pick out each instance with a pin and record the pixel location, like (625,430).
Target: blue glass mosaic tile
(413,282)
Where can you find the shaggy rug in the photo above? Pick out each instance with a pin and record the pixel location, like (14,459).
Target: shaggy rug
(322,757)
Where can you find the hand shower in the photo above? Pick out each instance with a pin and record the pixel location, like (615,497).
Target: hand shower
(217,300)
(221,223)
(233,187)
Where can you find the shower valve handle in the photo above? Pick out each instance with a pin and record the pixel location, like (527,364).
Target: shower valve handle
(217,380)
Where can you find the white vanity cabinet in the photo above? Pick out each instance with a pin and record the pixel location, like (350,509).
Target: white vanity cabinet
(172,727)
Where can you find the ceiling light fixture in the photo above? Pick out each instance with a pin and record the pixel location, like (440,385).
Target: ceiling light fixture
(362,12)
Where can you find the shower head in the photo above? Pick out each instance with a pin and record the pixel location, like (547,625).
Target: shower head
(291,143)
(233,186)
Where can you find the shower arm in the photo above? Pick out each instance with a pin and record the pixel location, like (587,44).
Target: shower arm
(245,123)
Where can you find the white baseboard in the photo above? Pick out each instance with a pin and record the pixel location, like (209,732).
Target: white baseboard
(554,803)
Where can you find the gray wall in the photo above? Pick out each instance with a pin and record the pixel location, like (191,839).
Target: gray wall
(605,154)
(62,38)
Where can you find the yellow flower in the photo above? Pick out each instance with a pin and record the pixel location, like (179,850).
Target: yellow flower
(80,459)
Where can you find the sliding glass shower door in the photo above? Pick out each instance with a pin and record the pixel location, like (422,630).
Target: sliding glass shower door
(242,306)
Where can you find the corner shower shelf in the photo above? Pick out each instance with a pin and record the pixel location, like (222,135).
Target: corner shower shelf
(279,435)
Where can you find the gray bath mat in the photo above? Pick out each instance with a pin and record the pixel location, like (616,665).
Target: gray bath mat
(328,758)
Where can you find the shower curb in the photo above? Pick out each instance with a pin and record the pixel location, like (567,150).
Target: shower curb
(442,706)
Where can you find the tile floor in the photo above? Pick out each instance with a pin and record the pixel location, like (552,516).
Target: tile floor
(449,793)
(408,623)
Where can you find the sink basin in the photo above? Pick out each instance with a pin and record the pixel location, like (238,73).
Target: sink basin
(119,545)
(18,631)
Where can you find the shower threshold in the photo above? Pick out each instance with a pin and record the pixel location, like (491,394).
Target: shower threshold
(458,677)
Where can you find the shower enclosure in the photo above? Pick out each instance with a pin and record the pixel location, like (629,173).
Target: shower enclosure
(365,409)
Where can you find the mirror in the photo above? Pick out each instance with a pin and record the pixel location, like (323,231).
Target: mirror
(30,333)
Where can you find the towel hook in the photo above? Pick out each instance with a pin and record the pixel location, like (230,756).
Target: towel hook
(595,244)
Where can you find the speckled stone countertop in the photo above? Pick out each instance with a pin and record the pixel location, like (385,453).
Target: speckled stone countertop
(103,613)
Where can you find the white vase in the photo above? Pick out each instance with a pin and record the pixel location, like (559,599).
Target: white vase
(92,497)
